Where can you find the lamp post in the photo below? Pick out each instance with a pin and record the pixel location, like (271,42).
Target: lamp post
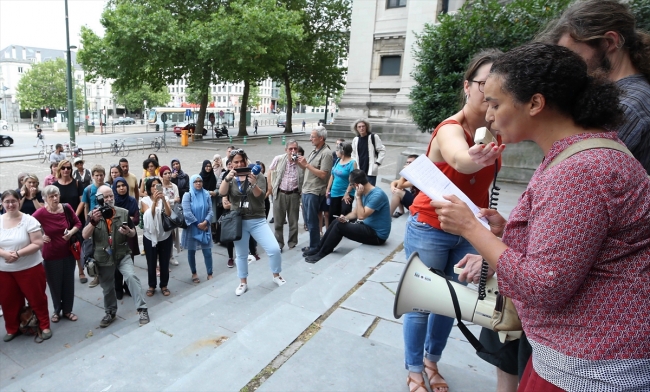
(85,106)
(69,72)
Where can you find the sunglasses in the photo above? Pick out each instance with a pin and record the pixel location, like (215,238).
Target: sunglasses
(66,168)
(235,152)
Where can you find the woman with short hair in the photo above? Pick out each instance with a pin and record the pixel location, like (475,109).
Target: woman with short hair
(151,168)
(58,260)
(22,276)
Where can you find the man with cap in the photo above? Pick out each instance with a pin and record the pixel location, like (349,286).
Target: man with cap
(81,174)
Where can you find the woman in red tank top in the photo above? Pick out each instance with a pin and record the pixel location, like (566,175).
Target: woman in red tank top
(425,335)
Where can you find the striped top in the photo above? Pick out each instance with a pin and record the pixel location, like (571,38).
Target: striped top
(635,131)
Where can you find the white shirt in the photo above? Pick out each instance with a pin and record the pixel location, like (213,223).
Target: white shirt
(17,238)
(153,227)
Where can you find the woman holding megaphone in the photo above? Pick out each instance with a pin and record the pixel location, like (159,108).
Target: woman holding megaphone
(425,335)
(575,253)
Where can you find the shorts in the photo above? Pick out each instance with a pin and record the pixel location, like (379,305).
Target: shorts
(511,357)
(408,198)
(324,207)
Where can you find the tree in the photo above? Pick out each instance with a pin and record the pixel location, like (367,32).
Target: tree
(282,96)
(44,85)
(443,50)
(133,99)
(254,96)
(641,10)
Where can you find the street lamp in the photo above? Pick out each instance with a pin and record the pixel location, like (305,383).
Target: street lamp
(69,72)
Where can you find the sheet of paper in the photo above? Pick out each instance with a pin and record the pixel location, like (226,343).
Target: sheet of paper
(426,176)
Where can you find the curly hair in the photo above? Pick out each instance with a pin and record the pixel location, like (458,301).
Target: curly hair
(361,120)
(560,75)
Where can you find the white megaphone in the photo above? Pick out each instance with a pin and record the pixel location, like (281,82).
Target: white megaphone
(421,290)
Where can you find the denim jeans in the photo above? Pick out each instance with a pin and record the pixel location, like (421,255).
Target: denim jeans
(311,204)
(207,257)
(260,230)
(425,335)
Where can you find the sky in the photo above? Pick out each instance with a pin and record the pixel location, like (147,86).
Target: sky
(41,23)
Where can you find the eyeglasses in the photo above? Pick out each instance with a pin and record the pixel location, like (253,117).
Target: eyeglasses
(235,152)
(10,202)
(66,168)
(408,162)
(481,85)
(198,181)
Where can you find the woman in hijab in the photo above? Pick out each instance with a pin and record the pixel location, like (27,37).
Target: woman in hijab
(197,209)
(180,178)
(122,199)
(210,185)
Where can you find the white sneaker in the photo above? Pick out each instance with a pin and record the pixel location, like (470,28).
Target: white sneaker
(250,259)
(173,261)
(279,280)
(241,289)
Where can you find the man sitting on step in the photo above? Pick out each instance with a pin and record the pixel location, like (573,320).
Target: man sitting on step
(368,223)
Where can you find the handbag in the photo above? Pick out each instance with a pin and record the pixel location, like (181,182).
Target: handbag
(76,239)
(230,226)
(175,220)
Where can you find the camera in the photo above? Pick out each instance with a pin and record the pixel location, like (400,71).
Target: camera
(105,210)
(294,157)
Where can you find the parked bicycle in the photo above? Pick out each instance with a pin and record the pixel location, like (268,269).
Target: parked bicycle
(159,142)
(120,147)
(45,152)
(73,150)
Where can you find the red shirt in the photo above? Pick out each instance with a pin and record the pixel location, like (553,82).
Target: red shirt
(578,266)
(54,225)
(475,185)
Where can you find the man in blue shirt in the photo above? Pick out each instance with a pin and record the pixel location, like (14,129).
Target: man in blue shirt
(368,223)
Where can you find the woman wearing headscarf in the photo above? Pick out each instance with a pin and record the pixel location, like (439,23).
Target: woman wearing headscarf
(197,209)
(157,242)
(210,185)
(180,178)
(122,199)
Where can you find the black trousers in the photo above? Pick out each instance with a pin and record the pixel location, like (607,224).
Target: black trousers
(60,279)
(338,208)
(355,231)
(162,252)
(252,247)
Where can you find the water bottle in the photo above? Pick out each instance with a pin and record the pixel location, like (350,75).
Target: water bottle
(329,199)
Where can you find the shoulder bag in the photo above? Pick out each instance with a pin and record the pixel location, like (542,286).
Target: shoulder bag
(230,226)
(175,220)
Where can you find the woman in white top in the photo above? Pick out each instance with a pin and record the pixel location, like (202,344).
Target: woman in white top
(172,195)
(22,275)
(157,242)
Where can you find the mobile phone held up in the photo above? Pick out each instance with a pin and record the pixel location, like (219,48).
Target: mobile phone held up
(159,187)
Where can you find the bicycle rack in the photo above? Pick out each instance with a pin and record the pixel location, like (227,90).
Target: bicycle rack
(139,144)
(100,148)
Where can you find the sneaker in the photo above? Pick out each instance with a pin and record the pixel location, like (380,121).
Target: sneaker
(231,263)
(107,320)
(173,261)
(279,280)
(241,289)
(94,282)
(144,316)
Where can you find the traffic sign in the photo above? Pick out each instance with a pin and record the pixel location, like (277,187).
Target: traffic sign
(163,117)
(188,112)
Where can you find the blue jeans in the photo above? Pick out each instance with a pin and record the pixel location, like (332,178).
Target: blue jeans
(425,335)
(207,256)
(260,230)
(311,204)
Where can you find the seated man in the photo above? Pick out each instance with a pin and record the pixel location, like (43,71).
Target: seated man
(371,206)
(402,196)
(109,229)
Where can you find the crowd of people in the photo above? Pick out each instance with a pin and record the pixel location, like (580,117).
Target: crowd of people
(574,255)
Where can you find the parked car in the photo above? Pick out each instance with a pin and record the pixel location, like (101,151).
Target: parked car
(189,126)
(3,124)
(124,121)
(6,141)
(282,121)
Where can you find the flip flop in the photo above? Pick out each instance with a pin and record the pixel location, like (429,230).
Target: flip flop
(150,292)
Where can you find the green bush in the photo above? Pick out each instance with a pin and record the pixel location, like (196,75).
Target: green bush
(641,10)
(443,50)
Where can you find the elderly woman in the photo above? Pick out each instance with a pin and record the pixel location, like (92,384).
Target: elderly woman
(21,267)
(30,197)
(70,193)
(157,242)
(575,254)
(122,199)
(197,209)
(246,193)
(340,192)
(58,261)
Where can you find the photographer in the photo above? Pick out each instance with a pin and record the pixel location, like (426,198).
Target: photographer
(110,227)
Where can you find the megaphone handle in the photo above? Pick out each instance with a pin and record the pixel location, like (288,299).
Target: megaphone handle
(463,328)
(482,280)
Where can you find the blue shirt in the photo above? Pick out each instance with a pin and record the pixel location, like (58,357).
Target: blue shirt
(379,220)
(341,179)
(90,196)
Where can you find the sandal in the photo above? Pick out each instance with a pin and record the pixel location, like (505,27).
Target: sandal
(436,386)
(71,316)
(397,214)
(165,291)
(196,280)
(150,292)
(418,385)
(55,318)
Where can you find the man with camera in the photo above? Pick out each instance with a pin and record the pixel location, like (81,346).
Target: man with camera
(109,228)
(371,207)
(286,179)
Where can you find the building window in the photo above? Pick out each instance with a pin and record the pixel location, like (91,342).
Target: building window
(20,69)
(390,65)
(395,3)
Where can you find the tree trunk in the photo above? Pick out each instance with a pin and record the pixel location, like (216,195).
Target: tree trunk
(242,109)
(202,110)
(289,111)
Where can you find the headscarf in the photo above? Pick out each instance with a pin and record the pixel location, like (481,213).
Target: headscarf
(124,201)
(180,170)
(199,206)
(209,180)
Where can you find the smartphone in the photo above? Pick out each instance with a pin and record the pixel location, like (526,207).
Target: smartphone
(159,187)
(125,225)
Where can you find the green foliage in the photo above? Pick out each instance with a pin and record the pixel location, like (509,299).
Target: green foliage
(443,50)
(254,96)
(133,99)
(44,85)
(641,10)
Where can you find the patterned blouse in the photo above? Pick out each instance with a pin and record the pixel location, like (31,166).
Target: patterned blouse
(578,269)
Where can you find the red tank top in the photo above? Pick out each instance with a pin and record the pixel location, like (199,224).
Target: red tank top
(476,185)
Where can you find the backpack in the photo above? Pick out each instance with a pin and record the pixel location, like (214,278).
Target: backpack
(374,146)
